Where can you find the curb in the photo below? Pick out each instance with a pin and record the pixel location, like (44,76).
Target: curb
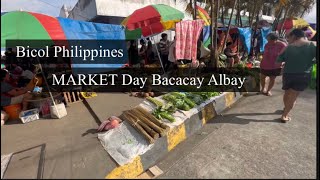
(174,137)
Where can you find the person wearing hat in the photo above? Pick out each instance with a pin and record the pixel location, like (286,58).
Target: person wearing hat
(268,66)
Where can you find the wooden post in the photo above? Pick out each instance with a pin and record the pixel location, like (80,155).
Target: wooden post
(194,9)
(230,19)
(212,35)
(216,35)
(284,19)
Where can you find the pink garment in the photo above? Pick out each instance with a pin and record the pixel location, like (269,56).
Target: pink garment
(187,34)
(271,52)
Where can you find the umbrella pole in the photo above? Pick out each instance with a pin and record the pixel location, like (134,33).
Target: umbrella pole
(158,55)
(157,52)
(45,80)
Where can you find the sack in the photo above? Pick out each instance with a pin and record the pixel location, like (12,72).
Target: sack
(58,111)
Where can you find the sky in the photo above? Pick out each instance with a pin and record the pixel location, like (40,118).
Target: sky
(52,7)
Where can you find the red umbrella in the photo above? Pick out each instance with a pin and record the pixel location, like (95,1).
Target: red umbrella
(153,19)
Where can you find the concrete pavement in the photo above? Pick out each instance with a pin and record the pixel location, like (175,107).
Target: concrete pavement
(246,142)
(249,141)
(63,148)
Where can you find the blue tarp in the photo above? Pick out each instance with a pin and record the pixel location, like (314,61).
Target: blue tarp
(91,31)
(95,36)
(245,35)
(264,33)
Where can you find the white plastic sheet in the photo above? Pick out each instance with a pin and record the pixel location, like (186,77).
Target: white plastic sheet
(124,143)
(5,159)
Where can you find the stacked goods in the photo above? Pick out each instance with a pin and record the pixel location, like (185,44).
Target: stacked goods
(145,123)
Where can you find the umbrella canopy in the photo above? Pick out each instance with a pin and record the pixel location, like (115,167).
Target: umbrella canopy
(20,25)
(29,26)
(291,23)
(153,19)
(203,14)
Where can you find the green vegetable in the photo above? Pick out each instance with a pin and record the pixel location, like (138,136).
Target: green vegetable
(169,98)
(169,107)
(184,107)
(167,116)
(195,98)
(155,101)
(161,113)
(190,103)
(178,95)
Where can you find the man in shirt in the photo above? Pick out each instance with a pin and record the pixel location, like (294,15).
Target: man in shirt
(11,95)
(164,49)
(172,55)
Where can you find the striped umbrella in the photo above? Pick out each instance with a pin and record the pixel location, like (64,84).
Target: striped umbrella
(20,25)
(152,19)
(291,23)
(202,14)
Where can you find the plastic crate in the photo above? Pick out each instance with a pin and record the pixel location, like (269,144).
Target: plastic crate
(29,115)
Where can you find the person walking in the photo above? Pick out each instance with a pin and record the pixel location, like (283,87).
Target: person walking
(268,67)
(298,59)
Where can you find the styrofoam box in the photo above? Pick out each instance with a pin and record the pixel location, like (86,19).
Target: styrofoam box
(34,116)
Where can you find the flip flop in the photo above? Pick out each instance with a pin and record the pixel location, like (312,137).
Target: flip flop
(285,121)
(268,94)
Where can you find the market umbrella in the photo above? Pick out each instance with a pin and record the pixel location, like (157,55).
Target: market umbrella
(203,14)
(19,25)
(153,19)
(30,26)
(291,23)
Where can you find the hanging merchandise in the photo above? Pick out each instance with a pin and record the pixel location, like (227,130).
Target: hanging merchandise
(187,34)
(264,33)
(245,35)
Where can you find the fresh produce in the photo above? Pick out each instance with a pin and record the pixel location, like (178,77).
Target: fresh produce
(169,107)
(152,118)
(169,98)
(110,123)
(178,95)
(180,104)
(190,103)
(160,113)
(195,98)
(135,124)
(143,117)
(207,95)
(155,101)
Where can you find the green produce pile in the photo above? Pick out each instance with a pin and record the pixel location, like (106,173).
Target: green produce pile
(176,100)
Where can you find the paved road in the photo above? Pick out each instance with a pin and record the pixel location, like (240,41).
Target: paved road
(248,141)
(63,148)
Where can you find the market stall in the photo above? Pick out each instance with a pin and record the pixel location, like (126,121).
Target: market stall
(41,31)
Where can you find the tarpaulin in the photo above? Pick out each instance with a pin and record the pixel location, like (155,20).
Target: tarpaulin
(264,33)
(89,31)
(245,35)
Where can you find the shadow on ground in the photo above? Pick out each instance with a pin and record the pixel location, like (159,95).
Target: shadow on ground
(237,119)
